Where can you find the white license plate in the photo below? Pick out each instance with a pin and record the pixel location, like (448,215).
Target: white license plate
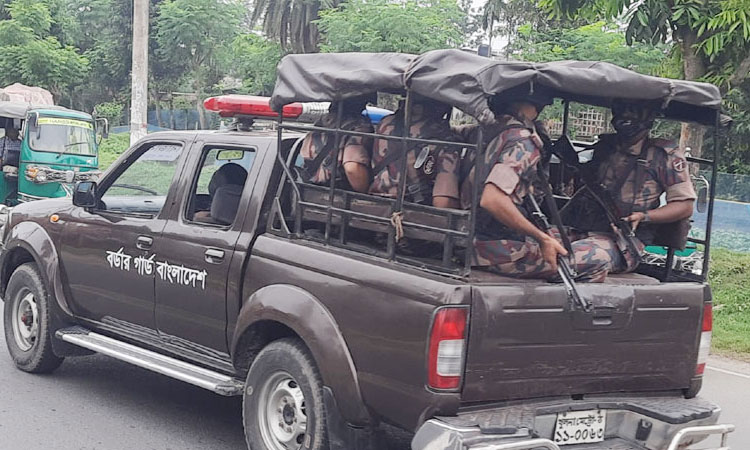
(580,427)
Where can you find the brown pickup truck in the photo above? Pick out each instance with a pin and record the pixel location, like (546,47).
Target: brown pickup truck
(198,257)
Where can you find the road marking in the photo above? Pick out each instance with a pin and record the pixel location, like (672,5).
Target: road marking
(737,374)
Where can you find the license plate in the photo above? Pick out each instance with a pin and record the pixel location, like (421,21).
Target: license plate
(580,427)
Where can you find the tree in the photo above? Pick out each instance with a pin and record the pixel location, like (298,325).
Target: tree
(31,55)
(412,26)
(291,22)
(725,35)
(255,61)
(511,14)
(196,35)
(598,41)
(653,21)
(102,30)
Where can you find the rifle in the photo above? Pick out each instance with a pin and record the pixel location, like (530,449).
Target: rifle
(567,274)
(625,237)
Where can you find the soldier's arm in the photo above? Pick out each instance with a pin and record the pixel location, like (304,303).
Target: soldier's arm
(671,212)
(445,191)
(358,176)
(675,177)
(502,208)
(356,161)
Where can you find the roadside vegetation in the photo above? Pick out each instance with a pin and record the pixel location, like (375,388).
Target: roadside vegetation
(730,282)
(112,148)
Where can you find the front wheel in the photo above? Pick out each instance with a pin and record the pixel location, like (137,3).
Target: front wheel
(26,320)
(283,401)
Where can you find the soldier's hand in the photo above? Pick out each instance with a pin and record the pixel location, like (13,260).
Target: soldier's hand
(635,219)
(551,248)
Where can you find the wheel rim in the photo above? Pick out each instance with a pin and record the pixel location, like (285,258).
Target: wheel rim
(25,320)
(282,415)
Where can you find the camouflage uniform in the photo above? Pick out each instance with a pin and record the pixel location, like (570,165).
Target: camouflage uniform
(432,171)
(642,176)
(511,162)
(351,149)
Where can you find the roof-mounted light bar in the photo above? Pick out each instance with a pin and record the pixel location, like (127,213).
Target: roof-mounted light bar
(250,105)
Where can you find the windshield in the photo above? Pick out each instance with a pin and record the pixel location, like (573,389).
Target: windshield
(62,135)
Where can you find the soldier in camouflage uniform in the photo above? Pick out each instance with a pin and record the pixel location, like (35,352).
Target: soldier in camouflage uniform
(354,152)
(636,170)
(432,171)
(506,240)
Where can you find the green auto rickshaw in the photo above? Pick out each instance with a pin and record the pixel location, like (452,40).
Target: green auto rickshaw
(58,148)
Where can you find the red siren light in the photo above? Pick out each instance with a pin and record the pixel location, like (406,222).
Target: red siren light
(249,105)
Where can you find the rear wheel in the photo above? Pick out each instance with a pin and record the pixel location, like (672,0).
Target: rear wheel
(26,320)
(283,401)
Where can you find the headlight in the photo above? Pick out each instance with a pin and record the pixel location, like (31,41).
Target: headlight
(41,176)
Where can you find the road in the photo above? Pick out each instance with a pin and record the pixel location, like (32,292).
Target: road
(97,403)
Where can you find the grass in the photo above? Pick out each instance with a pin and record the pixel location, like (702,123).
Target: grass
(111,148)
(730,283)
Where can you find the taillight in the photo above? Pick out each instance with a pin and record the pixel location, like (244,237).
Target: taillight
(705,345)
(447,346)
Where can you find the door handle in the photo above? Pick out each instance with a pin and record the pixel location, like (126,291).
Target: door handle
(214,256)
(144,242)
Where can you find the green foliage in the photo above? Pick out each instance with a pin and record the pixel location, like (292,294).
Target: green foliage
(596,42)
(727,28)
(111,149)
(31,14)
(730,281)
(33,57)
(255,63)
(112,111)
(194,33)
(413,26)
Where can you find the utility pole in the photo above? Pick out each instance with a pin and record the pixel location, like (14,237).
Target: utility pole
(139,85)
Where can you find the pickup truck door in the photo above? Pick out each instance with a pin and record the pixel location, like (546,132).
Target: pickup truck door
(103,249)
(191,292)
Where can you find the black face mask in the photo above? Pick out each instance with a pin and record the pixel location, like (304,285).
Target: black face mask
(629,129)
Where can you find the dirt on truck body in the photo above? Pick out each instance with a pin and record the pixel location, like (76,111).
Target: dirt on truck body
(205,256)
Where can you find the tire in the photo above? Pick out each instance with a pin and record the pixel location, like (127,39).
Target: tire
(283,388)
(26,320)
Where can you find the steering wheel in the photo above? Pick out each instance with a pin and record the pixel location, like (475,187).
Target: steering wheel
(136,188)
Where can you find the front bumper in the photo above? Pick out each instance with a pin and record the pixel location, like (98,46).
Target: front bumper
(633,423)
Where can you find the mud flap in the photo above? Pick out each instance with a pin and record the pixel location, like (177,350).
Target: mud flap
(341,435)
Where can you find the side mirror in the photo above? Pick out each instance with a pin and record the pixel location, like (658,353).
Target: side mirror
(102,128)
(702,205)
(84,194)
(33,124)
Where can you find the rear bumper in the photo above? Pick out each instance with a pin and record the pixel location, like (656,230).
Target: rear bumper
(638,423)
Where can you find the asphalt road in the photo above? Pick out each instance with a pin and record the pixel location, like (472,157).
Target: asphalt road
(98,403)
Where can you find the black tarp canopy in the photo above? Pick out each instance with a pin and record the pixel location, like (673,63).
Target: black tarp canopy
(465,81)
(324,77)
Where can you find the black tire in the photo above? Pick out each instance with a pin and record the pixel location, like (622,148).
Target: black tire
(38,357)
(285,357)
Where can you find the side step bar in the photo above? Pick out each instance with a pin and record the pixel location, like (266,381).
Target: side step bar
(155,362)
